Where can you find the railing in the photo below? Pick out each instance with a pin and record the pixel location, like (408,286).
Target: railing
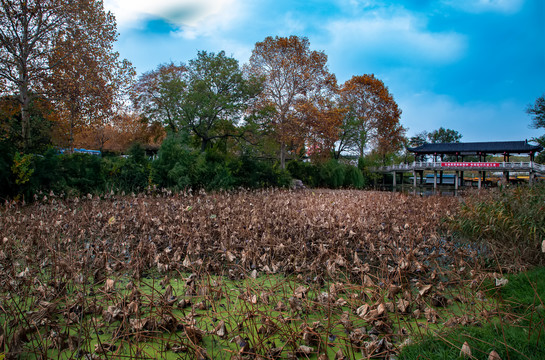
(502,166)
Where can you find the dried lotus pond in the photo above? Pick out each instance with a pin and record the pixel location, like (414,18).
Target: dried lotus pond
(246,275)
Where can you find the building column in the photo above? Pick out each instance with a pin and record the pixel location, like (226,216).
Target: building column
(456,180)
(506,177)
(441,177)
(531,176)
(461,178)
(414,178)
(435,179)
(479,180)
(394,181)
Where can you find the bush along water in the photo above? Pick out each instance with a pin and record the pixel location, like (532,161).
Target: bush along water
(177,167)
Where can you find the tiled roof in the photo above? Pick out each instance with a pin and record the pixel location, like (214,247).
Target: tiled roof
(496,147)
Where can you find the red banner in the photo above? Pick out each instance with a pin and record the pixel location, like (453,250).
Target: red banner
(470,164)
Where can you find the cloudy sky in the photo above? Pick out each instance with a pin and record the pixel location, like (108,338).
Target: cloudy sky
(470,65)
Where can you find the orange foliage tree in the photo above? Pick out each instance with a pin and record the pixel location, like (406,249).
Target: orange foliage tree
(56,49)
(320,121)
(371,119)
(294,76)
(89,80)
(119,134)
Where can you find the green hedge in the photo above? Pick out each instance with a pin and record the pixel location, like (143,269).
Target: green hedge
(176,167)
(331,174)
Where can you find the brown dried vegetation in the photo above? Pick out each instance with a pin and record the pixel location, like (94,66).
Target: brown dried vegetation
(246,275)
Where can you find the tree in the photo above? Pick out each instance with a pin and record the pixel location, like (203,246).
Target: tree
(371,119)
(444,136)
(439,136)
(117,136)
(41,112)
(320,119)
(537,111)
(158,94)
(390,134)
(88,81)
(419,139)
(293,74)
(38,36)
(217,97)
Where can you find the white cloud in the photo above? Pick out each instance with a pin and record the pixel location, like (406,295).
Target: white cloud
(480,6)
(398,36)
(192,17)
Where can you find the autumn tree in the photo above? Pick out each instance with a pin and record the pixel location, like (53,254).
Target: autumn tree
(89,80)
(320,121)
(158,94)
(390,137)
(293,75)
(371,118)
(39,37)
(124,130)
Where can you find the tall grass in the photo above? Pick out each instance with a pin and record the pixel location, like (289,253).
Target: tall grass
(510,220)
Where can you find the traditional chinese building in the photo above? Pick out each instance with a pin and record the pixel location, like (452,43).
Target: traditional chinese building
(460,157)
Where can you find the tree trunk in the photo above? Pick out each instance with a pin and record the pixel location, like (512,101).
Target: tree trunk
(24,99)
(204,144)
(283,156)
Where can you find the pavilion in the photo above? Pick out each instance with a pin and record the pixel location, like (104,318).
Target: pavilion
(481,149)
(458,156)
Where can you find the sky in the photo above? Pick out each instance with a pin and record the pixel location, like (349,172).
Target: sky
(469,65)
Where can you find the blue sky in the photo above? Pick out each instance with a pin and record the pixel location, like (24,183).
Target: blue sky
(469,65)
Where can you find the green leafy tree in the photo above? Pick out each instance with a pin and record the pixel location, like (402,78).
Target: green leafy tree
(158,95)
(418,139)
(537,112)
(443,136)
(217,97)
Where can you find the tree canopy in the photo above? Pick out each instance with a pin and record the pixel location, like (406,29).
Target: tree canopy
(371,118)
(158,94)
(537,112)
(62,51)
(294,76)
(439,136)
(207,98)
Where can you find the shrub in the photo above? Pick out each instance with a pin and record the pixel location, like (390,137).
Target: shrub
(212,171)
(306,172)
(332,174)
(353,177)
(7,152)
(173,167)
(83,173)
(253,173)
